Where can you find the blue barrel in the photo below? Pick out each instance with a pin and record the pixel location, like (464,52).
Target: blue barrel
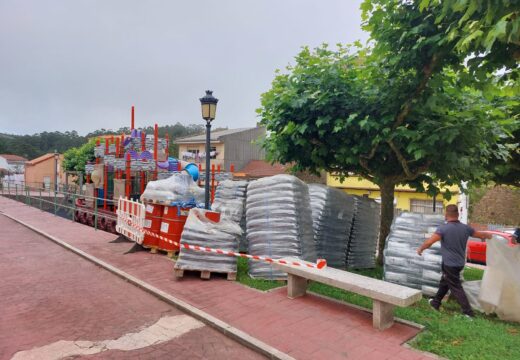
(193,170)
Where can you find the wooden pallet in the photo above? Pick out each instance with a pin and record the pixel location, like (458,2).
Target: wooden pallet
(169,253)
(204,274)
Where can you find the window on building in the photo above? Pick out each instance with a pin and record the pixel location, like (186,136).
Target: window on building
(213,152)
(426,206)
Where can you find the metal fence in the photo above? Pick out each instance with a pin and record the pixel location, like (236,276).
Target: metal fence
(60,202)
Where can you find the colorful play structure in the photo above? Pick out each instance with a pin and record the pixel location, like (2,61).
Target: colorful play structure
(123,167)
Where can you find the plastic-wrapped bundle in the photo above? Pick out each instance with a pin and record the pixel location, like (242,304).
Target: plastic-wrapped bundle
(178,188)
(229,200)
(278,222)
(402,264)
(365,233)
(201,231)
(332,215)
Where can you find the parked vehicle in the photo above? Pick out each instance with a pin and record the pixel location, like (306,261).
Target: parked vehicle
(477,247)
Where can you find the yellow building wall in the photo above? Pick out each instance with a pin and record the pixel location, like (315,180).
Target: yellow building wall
(403,194)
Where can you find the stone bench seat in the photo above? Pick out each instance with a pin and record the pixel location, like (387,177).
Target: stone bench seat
(385,295)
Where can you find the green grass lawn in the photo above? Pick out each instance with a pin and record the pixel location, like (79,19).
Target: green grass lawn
(446,333)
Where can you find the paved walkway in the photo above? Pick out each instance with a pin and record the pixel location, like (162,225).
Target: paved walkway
(305,328)
(53,302)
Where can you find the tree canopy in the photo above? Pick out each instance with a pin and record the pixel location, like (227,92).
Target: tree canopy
(32,146)
(403,110)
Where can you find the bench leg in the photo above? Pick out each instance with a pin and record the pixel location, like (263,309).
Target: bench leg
(296,286)
(382,315)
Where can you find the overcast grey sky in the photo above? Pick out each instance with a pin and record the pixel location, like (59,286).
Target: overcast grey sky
(80,65)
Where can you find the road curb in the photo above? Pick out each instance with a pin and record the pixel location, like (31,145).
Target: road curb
(206,318)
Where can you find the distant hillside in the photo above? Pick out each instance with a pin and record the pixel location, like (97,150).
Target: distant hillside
(32,146)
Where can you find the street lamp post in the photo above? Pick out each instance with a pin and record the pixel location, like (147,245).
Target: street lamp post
(208,104)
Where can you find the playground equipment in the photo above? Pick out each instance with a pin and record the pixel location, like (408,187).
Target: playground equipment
(123,167)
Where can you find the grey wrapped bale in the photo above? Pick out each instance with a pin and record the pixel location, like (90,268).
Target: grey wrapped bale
(402,265)
(200,231)
(365,234)
(230,198)
(278,223)
(332,217)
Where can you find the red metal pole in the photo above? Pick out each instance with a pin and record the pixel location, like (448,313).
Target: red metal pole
(232,168)
(117,147)
(97,162)
(133,119)
(155,142)
(128,176)
(105,177)
(143,148)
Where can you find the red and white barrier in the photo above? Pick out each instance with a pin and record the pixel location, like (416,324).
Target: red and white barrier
(130,212)
(320,264)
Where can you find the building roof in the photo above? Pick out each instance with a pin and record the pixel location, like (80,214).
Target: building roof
(215,136)
(260,168)
(12,157)
(40,159)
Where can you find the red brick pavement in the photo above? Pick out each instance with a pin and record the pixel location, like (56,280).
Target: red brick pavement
(305,328)
(48,294)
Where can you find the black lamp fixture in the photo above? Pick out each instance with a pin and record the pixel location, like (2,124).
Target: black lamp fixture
(208,104)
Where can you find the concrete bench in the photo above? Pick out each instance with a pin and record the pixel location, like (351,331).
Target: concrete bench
(385,295)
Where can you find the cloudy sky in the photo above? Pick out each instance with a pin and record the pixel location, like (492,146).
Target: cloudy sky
(81,64)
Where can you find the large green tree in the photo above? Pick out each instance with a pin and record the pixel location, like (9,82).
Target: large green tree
(401,111)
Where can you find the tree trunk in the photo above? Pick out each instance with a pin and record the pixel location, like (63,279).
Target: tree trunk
(387,215)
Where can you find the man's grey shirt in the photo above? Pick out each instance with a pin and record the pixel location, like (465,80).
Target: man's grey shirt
(454,238)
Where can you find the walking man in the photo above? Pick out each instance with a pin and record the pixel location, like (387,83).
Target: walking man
(453,236)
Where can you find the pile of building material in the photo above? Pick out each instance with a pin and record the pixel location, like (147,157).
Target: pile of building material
(278,222)
(199,230)
(332,216)
(230,198)
(402,265)
(362,244)
(176,189)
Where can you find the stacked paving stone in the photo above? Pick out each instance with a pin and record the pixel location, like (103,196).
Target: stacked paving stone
(332,217)
(200,231)
(364,235)
(230,198)
(278,223)
(402,265)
